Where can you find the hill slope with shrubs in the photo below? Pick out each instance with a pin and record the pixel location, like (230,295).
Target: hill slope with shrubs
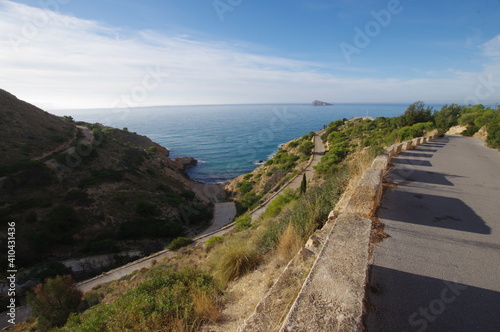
(106,191)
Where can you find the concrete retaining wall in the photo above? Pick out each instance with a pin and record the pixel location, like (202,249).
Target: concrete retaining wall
(331,298)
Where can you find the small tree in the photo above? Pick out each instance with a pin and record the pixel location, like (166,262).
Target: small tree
(53,301)
(303,184)
(415,113)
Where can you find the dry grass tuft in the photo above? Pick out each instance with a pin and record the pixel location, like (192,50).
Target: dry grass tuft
(232,260)
(289,243)
(357,164)
(205,308)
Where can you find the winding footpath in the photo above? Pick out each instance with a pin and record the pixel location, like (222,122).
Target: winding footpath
(440,268)
(318,152)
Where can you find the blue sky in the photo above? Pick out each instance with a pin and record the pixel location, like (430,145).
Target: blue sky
(124,53)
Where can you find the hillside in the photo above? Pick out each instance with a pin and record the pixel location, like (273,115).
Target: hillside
(27,131)
(96,190)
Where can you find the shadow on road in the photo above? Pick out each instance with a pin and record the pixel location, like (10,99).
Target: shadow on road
(433,211)
(410,162)
(428,304)
(416,153)
(426,150)
(439,143)
(407,175)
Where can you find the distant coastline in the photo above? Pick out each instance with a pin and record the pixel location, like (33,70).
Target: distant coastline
(227,140)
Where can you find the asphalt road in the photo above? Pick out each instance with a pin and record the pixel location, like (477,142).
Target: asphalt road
(440,268)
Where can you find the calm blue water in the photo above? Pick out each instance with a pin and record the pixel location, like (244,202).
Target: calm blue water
(227,140)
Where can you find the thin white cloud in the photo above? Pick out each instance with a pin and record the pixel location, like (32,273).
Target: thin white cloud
(492,47)
(67,62)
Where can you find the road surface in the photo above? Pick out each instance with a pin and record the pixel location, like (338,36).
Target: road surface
(224,214)
(440,268)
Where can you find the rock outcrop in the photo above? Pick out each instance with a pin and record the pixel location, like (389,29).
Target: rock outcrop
(186,162)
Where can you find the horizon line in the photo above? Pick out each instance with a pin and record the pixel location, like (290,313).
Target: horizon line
(250,104)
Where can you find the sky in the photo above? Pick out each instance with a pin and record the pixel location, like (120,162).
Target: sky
(72,54)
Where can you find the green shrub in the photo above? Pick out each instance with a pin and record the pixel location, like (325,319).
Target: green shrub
(448,116)
(174,199)
(306,148)
(144,208)
(276,206)
(243,222)
(53,301)
(58,228)
(467,119)
(166,301)
(89,300)
(249,200)
(283,157)
(470,131)
(133,158)
(101,176)
(179,243)
(99,135)
(62,218)
(245,186)
(309,212)
(493,138)
(58,138)
(415,113)
(487,117)
(332,158)
(213,241)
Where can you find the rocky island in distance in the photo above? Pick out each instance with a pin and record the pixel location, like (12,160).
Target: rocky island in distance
(320,103)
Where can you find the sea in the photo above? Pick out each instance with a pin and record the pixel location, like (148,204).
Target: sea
(228,140)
